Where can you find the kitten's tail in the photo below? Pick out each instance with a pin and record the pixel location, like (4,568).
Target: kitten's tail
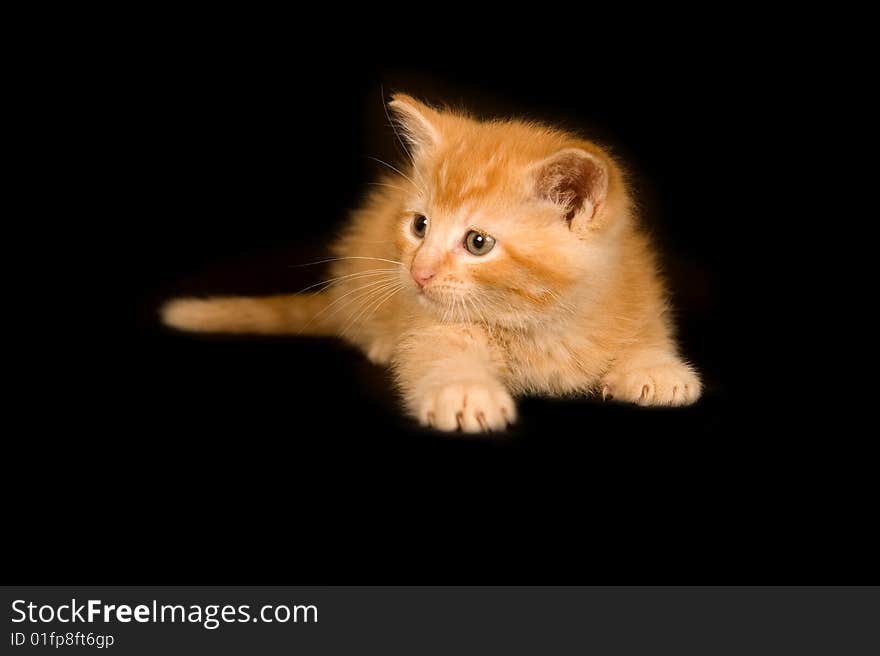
(267,315)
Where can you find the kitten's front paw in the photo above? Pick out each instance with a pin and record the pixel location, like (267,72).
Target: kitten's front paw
(666,384)
(472,407)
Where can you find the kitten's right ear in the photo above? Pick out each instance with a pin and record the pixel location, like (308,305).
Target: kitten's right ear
(417,123)
(577,182)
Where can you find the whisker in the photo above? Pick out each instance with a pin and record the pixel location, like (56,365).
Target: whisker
(385,184)
(394,168)
(348,257)
(471,306)
(383,301)
(359,274)
(406,151)
(363,302)
(349,293)
(383,296)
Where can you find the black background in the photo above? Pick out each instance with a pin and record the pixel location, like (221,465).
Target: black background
(204,157)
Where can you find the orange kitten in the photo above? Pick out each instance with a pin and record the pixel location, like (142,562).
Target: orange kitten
(505,261)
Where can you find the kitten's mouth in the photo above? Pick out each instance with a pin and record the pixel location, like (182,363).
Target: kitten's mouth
(429,298)
(435,298)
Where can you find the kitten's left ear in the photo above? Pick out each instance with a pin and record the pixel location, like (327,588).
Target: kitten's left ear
(577,181)
(416,122)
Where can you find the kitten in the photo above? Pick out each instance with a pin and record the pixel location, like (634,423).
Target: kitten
(506,260)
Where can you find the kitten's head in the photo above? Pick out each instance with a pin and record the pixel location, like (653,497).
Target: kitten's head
(502,220)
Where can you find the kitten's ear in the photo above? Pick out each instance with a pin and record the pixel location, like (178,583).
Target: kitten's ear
(576,181)
(417,123)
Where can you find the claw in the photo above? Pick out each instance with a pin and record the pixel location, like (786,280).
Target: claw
(481,419)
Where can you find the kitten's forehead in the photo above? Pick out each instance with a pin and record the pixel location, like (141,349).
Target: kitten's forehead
(470,173)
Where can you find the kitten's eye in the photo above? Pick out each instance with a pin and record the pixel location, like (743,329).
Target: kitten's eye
(420,225)
(478,243)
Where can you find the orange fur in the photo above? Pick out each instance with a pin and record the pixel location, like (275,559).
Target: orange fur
(567,302)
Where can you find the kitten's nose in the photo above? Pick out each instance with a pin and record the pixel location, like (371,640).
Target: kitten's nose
(422,275)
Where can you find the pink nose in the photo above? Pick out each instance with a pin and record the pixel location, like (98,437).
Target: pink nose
(421,276)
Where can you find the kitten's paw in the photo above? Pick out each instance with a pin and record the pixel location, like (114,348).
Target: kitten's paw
(472,407)
(666,384)
(380,351)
